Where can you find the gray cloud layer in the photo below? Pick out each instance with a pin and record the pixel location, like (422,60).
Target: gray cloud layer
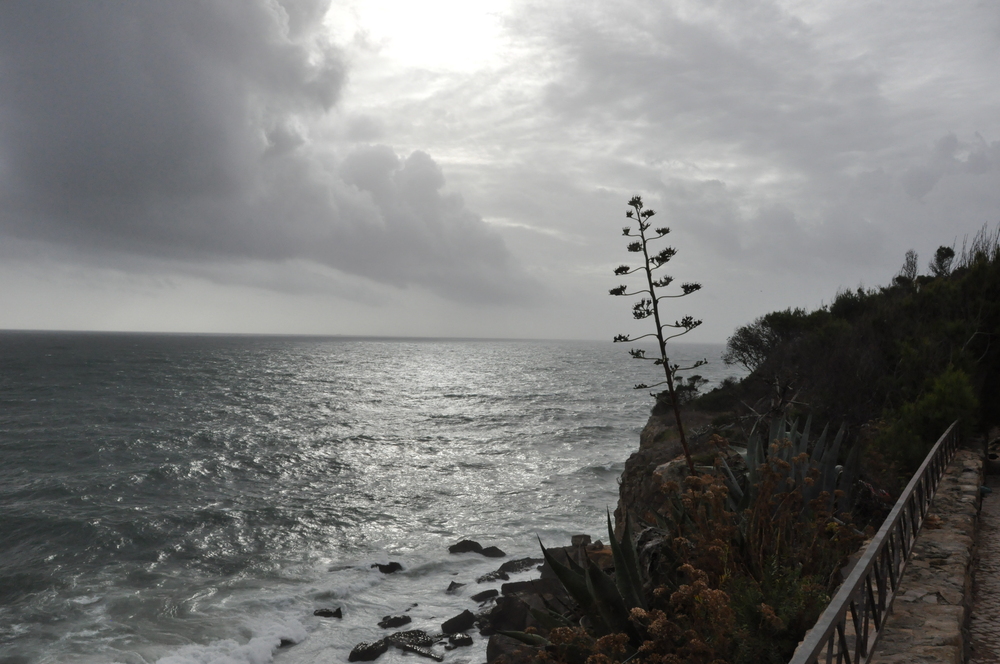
(180,130)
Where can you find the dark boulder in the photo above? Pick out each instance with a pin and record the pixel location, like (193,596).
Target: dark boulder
(329,613)
(485,595)
(389,622)
(388,569)
(460,623)
(466,546)
(458,640)
(286,643)
(501,646)
(367,652)
(509,614)
(520,565)
(493,552)
(546,587)
(453,586)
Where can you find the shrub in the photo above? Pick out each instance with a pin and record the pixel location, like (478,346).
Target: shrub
(911,431)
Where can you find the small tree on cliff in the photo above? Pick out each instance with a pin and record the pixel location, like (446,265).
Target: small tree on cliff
(649,306)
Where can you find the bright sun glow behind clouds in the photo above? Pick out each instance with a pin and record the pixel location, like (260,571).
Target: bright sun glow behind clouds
(455,35)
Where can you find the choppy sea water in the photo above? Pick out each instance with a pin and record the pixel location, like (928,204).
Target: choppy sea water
(182,499)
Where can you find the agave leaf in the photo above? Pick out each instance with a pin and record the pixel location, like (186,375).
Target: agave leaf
(550,606)
(851,468)
(820,449)
(575,584)
(803,445)
(550,619)
(828,464)
(661,523)
(524,637)
(627,576)
(777,431)
(599,615)
(734,487)
(609,602)
(575,566)
(756,458)
(790,441)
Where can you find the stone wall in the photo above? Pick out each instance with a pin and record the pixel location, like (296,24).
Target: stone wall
(929,615)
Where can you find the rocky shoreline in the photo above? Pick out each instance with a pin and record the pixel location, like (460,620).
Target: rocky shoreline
(508,608)
(513,606)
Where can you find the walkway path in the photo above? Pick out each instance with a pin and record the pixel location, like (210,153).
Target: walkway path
(984,626)
(927,619)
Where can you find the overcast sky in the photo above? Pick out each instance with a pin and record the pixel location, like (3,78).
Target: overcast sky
(456,168)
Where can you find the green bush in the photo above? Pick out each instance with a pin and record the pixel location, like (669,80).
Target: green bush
(909,433)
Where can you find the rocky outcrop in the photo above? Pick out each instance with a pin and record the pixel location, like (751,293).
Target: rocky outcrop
(660,460)
(512,610)
(472,546)
(460,623)
(510,567)
(416,641)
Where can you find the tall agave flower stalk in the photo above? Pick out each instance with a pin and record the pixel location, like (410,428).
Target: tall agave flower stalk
(649,306)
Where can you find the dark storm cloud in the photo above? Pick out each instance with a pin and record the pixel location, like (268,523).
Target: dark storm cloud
(180,130)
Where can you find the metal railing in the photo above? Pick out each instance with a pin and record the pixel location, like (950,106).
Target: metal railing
(851,625)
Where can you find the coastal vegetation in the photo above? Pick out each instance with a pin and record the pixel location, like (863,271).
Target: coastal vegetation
(733,558)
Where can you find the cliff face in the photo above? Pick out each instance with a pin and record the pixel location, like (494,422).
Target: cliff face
(659,460)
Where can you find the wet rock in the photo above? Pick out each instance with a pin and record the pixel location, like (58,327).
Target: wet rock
(367,652)
(500,646)
(580,540)
(493,576)
(485,595)
(458,640)
(453,586)
(466,546)
(519,565)
(547,586)
(329,613)
(493,552)
(286,643)
(413,637)
(508,568)
(388,569)
(389,622)
(415,641)
(509,614)
(460,623)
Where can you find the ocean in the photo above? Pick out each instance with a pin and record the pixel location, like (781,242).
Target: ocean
(186,499)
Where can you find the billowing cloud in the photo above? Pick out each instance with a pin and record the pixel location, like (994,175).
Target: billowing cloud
(184,131)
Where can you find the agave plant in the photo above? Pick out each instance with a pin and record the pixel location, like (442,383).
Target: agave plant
(605,603)
(808,465)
